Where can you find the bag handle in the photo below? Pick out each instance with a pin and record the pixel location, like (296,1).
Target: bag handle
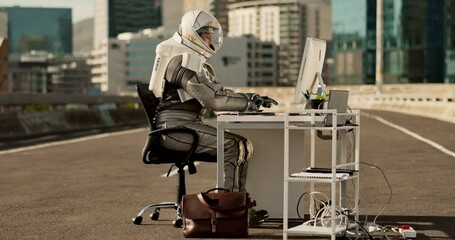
(205,200)
(218,189)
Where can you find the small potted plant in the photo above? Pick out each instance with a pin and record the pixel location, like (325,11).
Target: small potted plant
(318,101)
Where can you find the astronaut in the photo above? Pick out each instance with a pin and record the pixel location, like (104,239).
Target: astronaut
(187,86)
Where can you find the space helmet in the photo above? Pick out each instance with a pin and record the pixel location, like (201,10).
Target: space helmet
(196,23)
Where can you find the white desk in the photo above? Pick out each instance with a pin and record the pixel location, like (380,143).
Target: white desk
(265,169)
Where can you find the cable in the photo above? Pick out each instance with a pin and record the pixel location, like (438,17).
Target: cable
(298,203)
(390,188)
(385,229)
(363,228)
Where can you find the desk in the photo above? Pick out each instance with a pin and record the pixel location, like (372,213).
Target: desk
(265,171)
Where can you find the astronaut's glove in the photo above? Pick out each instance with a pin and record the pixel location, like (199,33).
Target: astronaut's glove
(259,101)
(267,102)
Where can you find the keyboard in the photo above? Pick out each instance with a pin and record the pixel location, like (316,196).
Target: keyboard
(263,113)
(329,170)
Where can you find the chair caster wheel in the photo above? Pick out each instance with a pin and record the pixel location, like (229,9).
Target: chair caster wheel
(137,220)
(155,215)
(178,223)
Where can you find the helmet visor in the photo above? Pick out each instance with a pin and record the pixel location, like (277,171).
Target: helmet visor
(209,31)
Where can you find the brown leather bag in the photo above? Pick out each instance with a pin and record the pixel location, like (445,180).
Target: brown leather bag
(216,214)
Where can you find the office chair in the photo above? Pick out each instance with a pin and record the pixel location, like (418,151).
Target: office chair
(153,153)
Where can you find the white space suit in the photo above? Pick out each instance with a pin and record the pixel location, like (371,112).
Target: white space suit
(186,84)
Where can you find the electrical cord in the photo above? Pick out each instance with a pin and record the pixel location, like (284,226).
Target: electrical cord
(314,210)
(298,203)
(389,228)
(363,228)
(323,216)
(388,183)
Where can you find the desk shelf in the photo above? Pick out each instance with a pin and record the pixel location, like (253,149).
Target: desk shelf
(314,230)
(320,180)
(312,123)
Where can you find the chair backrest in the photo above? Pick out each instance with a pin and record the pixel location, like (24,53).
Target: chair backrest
(149,102)
(153,153)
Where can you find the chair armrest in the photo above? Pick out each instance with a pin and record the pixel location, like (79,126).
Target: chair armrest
(154,138)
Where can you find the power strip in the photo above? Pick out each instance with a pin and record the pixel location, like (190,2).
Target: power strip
(371,227)
(407,231)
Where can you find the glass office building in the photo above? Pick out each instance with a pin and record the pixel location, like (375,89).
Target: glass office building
(418,41)
(140,57)
(43,29)
(353,29)
(113,17)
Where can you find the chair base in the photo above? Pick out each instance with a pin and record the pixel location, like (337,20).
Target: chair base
(156,213)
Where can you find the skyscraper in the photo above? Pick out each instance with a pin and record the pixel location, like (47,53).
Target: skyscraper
(418,41)
(286,23)
(173,10)
(44,29)
(113,17)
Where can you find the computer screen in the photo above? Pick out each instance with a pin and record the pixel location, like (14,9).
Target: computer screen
(310,69)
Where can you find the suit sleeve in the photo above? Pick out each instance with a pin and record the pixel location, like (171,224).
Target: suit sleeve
(209,93)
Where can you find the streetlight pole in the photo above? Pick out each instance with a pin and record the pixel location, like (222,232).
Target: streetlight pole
(379,51)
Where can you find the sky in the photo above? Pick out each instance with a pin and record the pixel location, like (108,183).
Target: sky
(82,9)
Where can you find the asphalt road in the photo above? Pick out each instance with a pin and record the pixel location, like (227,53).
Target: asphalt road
(90,188)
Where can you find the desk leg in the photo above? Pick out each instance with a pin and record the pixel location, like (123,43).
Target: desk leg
(220,156)
(343,160)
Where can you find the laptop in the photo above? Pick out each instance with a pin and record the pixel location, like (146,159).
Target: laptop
(338,99)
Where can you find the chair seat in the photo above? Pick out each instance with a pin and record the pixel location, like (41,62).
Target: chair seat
(164,156)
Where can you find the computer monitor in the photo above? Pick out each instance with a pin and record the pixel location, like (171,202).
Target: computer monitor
(310,69)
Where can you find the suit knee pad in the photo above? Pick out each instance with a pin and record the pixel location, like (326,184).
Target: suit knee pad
(246,151)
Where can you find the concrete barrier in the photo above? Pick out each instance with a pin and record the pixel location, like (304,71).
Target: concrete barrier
(23,125)
(29,115)
(428,100)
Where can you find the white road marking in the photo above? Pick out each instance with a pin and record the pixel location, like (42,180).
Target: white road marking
(410,133)
(82,139)
(103,135)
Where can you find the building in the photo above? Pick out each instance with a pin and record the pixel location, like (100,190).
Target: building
(287,23)
(418,41)
(4,66)
(108,66)
(140,55)
(113,17)
(40,47)
(4,52)
(40,29)
(120,63)
(44,72)
(219,9)
(69,75)
(30,71)
(3,23)
(449,45)
(173,11)
(246,61)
